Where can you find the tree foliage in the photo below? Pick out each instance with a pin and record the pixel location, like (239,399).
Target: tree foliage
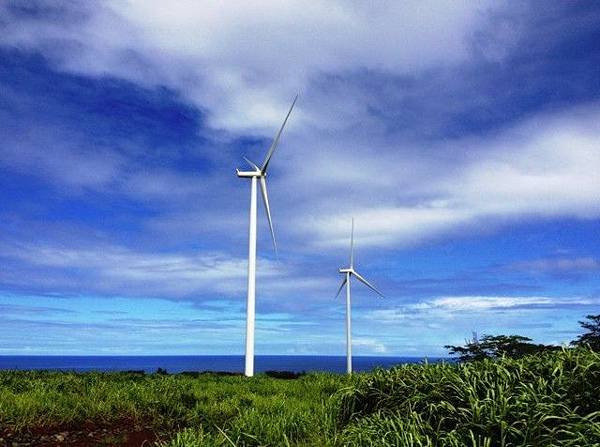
(495,346)
(592,337)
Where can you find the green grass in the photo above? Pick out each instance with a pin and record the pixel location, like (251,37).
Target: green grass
(549,399)
(257,411)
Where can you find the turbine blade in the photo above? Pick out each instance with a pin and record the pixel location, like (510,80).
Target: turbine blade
(265,196)
(276,140)
(251,164)
(366,283)
(341,287)
(352,245)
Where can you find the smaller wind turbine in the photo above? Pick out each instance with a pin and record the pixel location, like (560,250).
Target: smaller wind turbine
(348,273)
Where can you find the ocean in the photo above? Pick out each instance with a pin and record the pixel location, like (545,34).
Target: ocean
(179,363)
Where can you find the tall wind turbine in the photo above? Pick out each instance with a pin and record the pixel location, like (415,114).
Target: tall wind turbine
(257,174)
(348,273)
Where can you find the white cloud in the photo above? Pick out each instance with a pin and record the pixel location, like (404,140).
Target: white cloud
(458,306)
(243,61)
(477,303)
(118,270)
(114,269)
(449,319)
(369,345)
(558,265)
(545,167)
(241,64)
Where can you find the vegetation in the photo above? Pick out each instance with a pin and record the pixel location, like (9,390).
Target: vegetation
(515,346)
(545,399)
(495,346)
(262,410)
(591,338)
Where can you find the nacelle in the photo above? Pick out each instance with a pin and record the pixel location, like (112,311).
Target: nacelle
(248,174)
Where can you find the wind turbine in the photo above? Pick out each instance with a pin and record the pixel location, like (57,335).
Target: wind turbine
(257,174)
(348,273)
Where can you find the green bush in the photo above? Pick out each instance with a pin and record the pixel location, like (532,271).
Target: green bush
(549,399)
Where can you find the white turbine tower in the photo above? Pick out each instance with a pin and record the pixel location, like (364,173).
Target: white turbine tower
(348,273)
(255,175)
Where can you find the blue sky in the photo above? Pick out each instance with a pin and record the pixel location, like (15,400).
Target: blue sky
(464,139)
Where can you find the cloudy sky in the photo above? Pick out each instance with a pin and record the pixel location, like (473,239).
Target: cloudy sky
(464,137)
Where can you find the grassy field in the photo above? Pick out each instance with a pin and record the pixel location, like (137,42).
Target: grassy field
(543,400)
